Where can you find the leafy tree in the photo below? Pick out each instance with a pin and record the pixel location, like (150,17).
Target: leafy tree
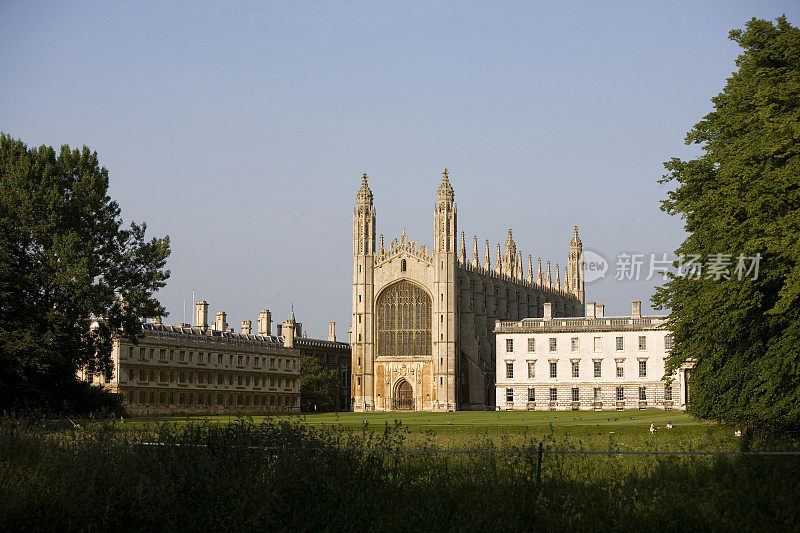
(742,197)
(66,259)
(317,386)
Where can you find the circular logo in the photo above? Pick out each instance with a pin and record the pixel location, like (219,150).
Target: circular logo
(595,266)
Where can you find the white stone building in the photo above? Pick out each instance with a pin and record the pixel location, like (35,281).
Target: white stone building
(588,363)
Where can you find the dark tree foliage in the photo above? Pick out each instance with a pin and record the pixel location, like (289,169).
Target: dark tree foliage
(66,259)
(742,196)
(317,386)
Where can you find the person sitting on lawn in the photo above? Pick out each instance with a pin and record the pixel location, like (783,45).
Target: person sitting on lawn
(669,425)
(652,428)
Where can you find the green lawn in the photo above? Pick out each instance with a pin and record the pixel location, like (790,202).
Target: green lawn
(530,419)
(506,418)
(466,429)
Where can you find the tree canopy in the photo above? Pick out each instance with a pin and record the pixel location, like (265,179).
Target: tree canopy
(317,386)
(65,260)
(741,198)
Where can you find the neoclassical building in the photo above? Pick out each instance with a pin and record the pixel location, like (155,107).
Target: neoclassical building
(588,363)
(422,333)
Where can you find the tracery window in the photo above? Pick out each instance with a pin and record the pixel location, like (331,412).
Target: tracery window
(404,320)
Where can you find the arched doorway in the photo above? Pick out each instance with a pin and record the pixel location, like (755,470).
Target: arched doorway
(403,396)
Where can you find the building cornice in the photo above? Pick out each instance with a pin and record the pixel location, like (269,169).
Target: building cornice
(573,325)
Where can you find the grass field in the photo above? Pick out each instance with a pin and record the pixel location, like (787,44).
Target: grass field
(470,430)
(327,471)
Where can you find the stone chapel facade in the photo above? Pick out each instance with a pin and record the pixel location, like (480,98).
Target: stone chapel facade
(422,333)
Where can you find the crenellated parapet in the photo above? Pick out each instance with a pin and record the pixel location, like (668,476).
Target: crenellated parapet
(508,267)
(516,280)
(403,246)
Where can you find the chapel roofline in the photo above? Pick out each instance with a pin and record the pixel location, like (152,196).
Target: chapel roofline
(522,282)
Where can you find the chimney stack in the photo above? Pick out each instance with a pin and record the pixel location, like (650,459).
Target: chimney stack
(287,329)
(600,311)
(548,311)
(590,310)
(636,309)
(201,315)
(246,327)
(264,322)
(221,323)
(332,331)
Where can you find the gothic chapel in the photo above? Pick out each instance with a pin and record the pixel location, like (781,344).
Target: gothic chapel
(422,335)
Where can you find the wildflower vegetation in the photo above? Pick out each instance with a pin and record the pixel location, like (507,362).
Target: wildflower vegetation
(290,474)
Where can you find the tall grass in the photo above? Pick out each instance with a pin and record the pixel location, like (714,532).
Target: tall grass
(283,475)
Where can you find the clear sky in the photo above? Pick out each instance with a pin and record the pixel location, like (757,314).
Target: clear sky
(241,129)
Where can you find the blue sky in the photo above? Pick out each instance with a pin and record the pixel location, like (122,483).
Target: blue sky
(241,129)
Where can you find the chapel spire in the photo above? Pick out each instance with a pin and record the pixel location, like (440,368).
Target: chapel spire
(445,193)
(574,276)
(364,220)
(539,272)
(549,277)
(445,230)
(510,254)
(364,195)
(558,277)
(530,268)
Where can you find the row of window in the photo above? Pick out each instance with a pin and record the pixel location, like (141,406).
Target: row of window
(92,377)
(207,378)
(597,344)
(183,356)
(575,394)
(189,399)
(576,370)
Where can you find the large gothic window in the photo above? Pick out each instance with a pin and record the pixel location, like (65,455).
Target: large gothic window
(404,320)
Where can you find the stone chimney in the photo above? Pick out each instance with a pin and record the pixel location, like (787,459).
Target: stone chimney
(636,309)
(548,311)
(287,330)
(264,322)
(246,327)
(201,314)
(221,322)
(332,331)
(590,310)
(600,311)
